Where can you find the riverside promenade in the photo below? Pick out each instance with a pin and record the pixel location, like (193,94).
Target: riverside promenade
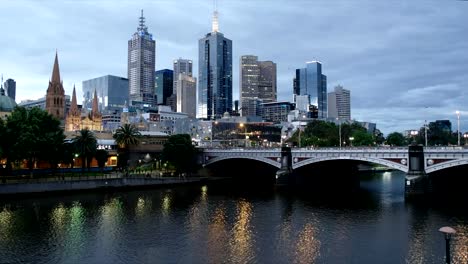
(74,184)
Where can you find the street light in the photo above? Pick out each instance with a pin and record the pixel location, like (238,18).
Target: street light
(212,128)
(339,129)
(425,132)
(458,126)
(351,141)
(465,136)
(414,133)
(448,232)
(242,125)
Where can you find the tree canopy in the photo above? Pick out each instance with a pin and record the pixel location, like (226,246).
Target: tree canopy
(180,152)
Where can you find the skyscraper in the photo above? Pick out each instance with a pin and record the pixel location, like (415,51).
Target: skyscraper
(141,65)
(10,87)
(112,92)
(257,82)
(164,80)
(181,66)
(339,103)
(55,97)
(214,73)
(187,95)
(310,81)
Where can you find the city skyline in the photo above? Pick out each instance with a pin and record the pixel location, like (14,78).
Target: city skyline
(403,62)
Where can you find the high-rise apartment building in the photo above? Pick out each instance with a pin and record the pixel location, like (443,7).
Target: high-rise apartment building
(164,80)
(141,65)
(10,87)
(112,93)
(181,66)
(339,103)
(187,95)
(310,81)
(257,81)
(214,73)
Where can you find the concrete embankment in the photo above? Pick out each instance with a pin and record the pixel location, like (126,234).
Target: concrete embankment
(94,184)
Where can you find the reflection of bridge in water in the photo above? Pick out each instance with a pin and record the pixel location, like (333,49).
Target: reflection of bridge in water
(416,161)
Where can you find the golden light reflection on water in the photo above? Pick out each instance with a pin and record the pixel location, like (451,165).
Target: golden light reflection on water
(307,245)
(166,204)
(6,224)
(242,242)
(204,193)
(143,207)
(217,235)
(58,217)
(460,244)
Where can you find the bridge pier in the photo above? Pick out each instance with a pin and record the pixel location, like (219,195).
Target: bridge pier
(417,182)
(284,175)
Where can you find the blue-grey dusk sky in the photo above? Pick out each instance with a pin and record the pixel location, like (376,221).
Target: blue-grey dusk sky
(404,61)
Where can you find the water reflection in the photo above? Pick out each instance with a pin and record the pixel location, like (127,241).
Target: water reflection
(6,225)
(242,241)
(217,236)
(307,245)
(460,244)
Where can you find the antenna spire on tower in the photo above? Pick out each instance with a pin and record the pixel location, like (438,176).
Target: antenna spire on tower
(141,25)
(215,25)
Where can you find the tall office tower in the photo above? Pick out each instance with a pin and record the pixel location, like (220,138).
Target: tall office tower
(310,81)
(257,81)
(214,74)
(164,80)
(187,95)
(181,66)
(55,97)
(141,65)
(10,87)
(339,103)
(112,92)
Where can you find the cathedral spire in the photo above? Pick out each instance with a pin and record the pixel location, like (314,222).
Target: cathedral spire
(95,103)
(74,105)
(56,71)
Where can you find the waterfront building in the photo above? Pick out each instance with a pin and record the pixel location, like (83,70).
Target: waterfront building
(339,103)
(181,66)
(277,111)
(112,93)
(310,81)
(55,97)
(10,88)
(257,81)
(187,95)
(164,80)
(78,120)
(141,65)
(214,73)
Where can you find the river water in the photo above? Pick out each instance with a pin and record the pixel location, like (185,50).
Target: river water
(226,224)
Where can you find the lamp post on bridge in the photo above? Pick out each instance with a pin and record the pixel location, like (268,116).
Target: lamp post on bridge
(458,126)
(339,129)
(242,125)
(425,133)
(414,133)
(212,128)
(351,141)
(465,136)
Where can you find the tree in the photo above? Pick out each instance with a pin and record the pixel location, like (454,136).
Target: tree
(125,136)
(101,157)
(33,135)
(396,139)
(362,138)
(179,151)
(85,143)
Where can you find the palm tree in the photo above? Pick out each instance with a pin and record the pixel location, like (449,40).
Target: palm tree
(125,136)
(86,145)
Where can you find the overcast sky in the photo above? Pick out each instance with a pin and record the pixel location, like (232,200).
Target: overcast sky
(404,61)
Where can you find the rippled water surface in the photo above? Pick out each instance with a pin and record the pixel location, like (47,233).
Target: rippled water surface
(221,224)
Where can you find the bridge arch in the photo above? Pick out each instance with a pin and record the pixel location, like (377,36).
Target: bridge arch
(264,160)
(446,165)
(383,162)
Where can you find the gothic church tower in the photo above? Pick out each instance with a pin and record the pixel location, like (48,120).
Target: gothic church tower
(55,98)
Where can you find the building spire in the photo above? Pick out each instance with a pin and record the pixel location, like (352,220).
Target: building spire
(74,104)
(95,103)
(141,25)
(215,24)
(56,71)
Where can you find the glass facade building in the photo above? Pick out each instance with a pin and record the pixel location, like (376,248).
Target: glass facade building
(141,65)
(214,74)
(112,92)
(10,87)
(164,80)
(310,81)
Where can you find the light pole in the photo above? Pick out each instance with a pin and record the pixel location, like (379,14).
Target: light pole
(212,128)
(448,232)
(425,133)
(351,141)
(245,132)
(458,126)
(339,129)
(465,136)
(414,133)
(299,127)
